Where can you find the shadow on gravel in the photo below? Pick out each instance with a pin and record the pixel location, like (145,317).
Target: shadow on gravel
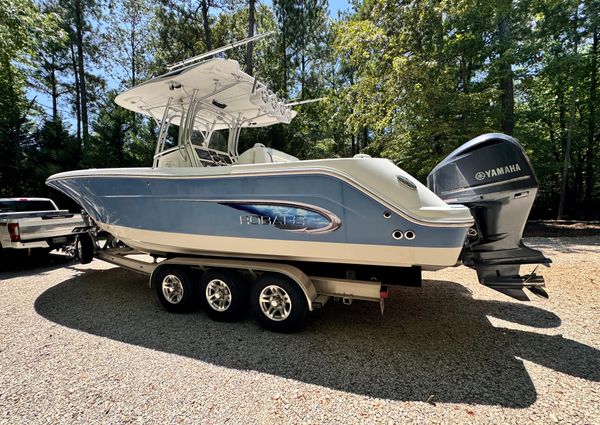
(13,264)
(552,229)
(433,341)
(566,246)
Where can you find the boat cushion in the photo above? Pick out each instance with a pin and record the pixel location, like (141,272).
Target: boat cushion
(260,154)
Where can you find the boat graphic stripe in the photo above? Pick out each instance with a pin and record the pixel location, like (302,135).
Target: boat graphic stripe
(286,216)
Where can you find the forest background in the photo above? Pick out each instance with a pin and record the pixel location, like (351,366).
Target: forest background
(406,80)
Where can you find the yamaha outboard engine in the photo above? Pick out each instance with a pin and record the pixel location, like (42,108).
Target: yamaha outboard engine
(493,177)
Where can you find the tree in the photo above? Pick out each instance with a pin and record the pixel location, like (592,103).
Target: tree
(127,42)
(303,28)
(184,30)
(250,46)
(110,128)
(22,28)
(556,95)
(593,23)
(79,21)
(79,18)
(506,61)
(115,141)
(414,85)
(409,81)
(51,150)
(50,62)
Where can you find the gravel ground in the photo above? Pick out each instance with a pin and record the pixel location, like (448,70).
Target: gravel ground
(88,344)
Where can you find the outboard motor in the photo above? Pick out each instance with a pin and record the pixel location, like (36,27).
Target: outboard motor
(493,177)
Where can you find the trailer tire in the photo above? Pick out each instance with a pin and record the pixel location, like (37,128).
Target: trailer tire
(84,248)
(175,288)
(223,294)
(278,303)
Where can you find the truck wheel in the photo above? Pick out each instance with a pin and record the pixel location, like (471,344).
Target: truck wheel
(175,288)
(84,248)
(278,303)
(223,294)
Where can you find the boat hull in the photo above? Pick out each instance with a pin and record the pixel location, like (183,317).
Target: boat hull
(165,243)
(309,216)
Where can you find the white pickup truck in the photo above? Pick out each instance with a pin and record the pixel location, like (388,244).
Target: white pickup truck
(37,223)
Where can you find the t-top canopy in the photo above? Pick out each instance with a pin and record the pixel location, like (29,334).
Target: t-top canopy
(222,94)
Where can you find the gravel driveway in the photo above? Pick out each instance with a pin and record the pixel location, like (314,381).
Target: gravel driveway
(88,344)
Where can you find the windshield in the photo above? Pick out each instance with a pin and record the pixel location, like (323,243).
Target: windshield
(218,140)
(26,206)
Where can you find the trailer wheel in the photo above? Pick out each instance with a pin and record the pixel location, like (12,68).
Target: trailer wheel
(223,294)
(278,303)
(84,248)
(175,288)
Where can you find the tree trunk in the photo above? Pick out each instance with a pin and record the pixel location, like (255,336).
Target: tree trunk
(507,95)
(53,88)
(250,46)
(284,48)
(567,160)
(591,135)
(206,24)
(132,41)
(302,75)
(303,51)
(133,53)
(81,67)
(466,77)
(77,91)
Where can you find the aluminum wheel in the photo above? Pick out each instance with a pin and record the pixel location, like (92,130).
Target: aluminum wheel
(275,303)
(218,295)
(172,289)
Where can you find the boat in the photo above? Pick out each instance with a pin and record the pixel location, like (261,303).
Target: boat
(201,197)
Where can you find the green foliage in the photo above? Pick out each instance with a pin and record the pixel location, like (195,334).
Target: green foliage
(415,87)
(409,81)
(126,41)
(561,65)
(22,29)
(14,132)
(51,150)
(426,76)
(119,138)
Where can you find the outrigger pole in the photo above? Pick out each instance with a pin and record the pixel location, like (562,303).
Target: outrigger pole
(303,102)
(198,58)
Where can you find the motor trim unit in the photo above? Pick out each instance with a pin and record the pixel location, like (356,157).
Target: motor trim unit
(492,175)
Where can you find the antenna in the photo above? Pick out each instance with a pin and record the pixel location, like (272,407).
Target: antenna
(235,44)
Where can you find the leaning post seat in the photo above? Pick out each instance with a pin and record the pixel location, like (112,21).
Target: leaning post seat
(260,154)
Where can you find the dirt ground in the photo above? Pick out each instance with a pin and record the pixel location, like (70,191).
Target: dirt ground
(88,344)
(549,228)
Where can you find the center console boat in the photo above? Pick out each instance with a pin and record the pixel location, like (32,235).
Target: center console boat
(352,220)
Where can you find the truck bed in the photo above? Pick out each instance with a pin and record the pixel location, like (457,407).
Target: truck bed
(39,229)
